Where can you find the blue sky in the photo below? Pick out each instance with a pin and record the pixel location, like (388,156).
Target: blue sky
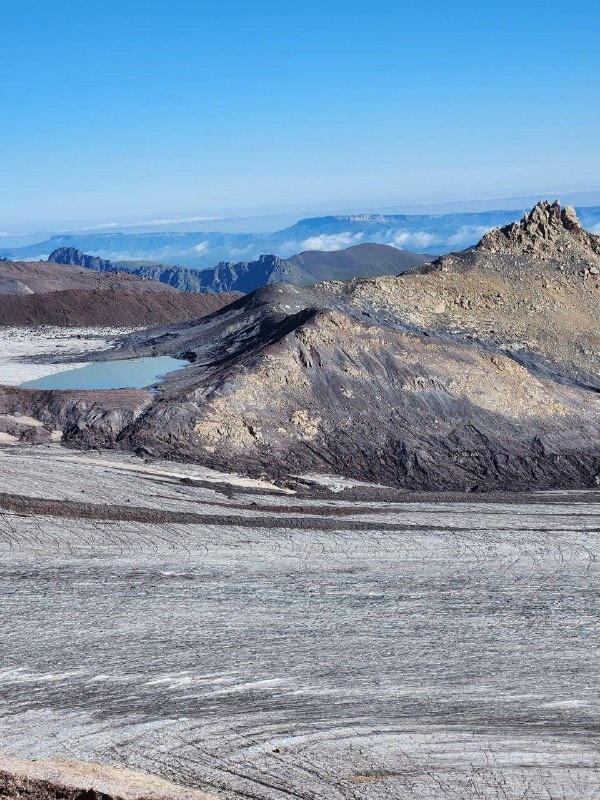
(117,111)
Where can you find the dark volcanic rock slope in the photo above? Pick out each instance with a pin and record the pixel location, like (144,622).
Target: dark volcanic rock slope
(480,372)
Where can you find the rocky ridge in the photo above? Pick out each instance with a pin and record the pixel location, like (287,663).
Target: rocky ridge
(546,229)
(73,256)
(180,278)
(478,371)
(303,269)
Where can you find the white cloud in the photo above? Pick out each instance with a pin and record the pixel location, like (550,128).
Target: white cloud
(152,223)
(467,235)
(331,241)
(200,248)
(247,253)
(287,248)
(596,229)
(100,227)
(416,239)
(21,234)
(182,221)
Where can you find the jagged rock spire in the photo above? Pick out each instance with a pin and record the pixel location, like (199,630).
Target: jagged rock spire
(543,230)
(547,220)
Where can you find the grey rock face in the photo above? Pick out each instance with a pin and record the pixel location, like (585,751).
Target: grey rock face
(71,255)
(245,276)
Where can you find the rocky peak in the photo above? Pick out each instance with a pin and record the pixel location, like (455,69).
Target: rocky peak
(71,255)
(548,221)
(546,230)
(67,255)
(270,260)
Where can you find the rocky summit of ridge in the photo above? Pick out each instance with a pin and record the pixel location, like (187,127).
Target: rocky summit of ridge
(246,276)
(479,370)
(531,290)
(73,256)
(546,230)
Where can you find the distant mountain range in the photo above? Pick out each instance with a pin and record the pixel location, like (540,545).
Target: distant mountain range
(434,233)
(313,266)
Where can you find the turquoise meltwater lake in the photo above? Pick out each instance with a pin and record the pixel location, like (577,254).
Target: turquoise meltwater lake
(132,373)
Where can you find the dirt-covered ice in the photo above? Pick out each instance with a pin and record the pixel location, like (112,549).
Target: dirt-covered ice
(303,646)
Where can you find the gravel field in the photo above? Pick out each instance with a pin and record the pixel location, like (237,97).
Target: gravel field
(262,644)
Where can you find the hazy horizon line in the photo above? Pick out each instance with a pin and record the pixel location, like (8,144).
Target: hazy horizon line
(166,222)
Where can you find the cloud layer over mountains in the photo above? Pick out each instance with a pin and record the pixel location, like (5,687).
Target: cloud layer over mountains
(436,234)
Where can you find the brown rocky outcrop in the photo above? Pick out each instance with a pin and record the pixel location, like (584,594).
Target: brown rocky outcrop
(58,779)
